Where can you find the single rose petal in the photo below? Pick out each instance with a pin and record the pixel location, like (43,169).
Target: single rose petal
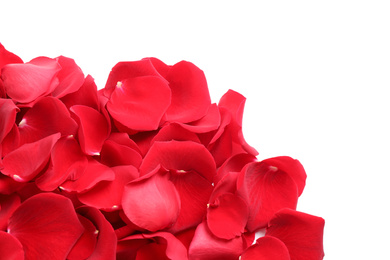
(86,95)
(267,248)
(139,103)
(114,154)
(11,141)
(67,162)
(180,156)
(23,165)
(26,82)
(106,239)
(48,116)
(209,122)
(292,167)
(46,225)
(8,111)
(190,94)
(93,129)
(86,244)
(94,173)
(234,164)
(267,190)
(10,247)
(7,57)
(205,245)
(227,216)
(70,77)
(152,203)
(107,195)
(300,232)
(8,204)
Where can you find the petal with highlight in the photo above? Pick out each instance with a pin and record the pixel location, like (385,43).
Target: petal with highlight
(266,248)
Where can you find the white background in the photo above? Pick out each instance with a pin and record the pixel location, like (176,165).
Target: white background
(315,74)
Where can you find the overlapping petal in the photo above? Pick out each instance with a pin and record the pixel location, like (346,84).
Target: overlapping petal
(267,248)
(70,77)
(10,247)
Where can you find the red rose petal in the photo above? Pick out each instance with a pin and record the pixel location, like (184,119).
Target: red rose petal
(67,162)
(139,103)
(209,122)
(8,112)
(7,57)
(93,129)
(234,164)
(70,77)
(205,245)
(48,116)
(107,195)
(94,173)
(227,216)
(106,240)
(114,154)
(46,225)
(8,204)
(176,132)
(86,243)
(267,190)
(292,167)
(10,247)
(86,95)
(23,165)
(300,232)
(180,156)
(152,203)
(26,82)
(266,248)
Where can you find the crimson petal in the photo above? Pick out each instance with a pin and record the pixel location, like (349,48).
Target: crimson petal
(266,248)
(152,203)
(300,232)
(8,111)
(23,165)
(10,247)
(7,57)
(46,225)
(26,82)
(93,129)
(70,77)
(86,95)
(267,190)
(8,204)
(207,123)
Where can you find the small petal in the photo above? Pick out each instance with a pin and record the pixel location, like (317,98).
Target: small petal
(70,77)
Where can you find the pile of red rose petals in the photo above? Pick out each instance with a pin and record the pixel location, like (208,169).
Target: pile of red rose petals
(145,168)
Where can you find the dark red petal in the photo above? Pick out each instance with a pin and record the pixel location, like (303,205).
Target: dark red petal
(152,251)
(267,190)
(300,232)
(11,141)
(7,57)
(180,156)
(8,112)
(23,165)
(209,122)
(107,195)
(267,248)
(93,129)
(86,95)
(70,77)
(175,250)
(152,203)
(9,185)
(205,245)
(292,167)
(8,204)
(86,243)
(10,247)
(106,239)
(114,154)
(227,216)
(190,94)
(26,82)
(139,103)
(46,225)
(67,162)
(127,70)
(94,173)
(48,116)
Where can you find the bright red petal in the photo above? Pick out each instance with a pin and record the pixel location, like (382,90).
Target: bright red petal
(300,232)
(115,154)
(26,82)
(46,225)
(152,203)
(8,112)
(93,129)
(190,94)
(209,122)
(24,163)
(70,77)
(10,247)
(139,103)
(227,216)
(267,190)
(267,248)
(86,95)
(7,57)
